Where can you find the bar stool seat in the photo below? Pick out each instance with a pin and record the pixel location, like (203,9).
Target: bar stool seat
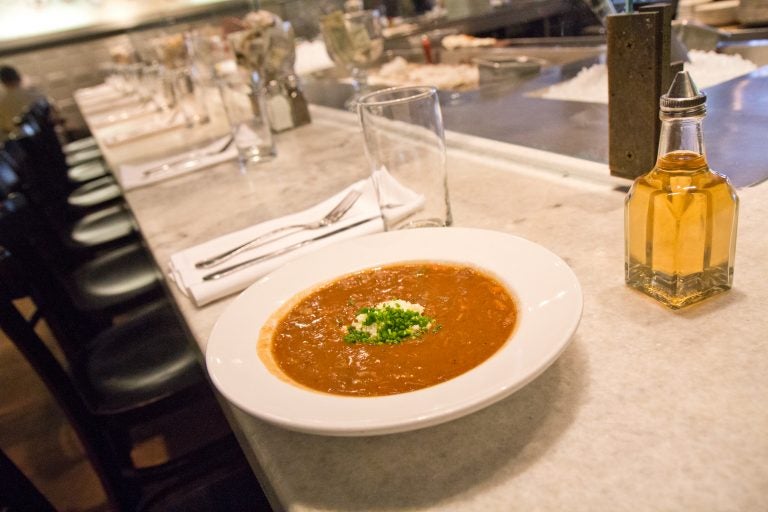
(80,157)
(103,226)
(87,172)
(94,193)
(115,280)
(118,373)
(79,145)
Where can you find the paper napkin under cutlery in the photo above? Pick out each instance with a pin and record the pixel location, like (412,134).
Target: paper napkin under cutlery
(121,115)
(190,279)
(98,94)
(132,131)
(91,107)
(95,90)
(146,173)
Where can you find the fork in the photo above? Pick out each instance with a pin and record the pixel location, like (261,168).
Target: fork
(331,217)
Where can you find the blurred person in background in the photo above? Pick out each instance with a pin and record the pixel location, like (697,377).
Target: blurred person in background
(14,99)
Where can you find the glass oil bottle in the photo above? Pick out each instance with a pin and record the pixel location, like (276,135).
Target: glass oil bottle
(680,218)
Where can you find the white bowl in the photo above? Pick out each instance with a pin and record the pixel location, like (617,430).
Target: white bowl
(549,303)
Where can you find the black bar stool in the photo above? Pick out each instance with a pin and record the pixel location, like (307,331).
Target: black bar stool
(52,191)
(95,231)
(111,283)
(95,193)
(52,168)
(123,379)
(103,227)
(83,156)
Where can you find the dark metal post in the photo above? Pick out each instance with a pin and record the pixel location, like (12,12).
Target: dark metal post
(638,73)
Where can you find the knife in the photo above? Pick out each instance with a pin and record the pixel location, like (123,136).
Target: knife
(247,263)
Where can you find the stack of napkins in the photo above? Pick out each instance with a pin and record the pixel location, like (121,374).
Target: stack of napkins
(363,218)
(139,175)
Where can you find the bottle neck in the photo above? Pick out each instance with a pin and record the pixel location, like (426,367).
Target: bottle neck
(681,134)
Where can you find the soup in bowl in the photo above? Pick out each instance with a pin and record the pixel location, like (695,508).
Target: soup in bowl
(389,329)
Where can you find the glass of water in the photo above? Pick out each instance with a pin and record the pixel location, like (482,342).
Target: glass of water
(244,99)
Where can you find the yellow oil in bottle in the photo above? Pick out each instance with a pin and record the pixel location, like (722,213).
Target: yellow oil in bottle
(680,218)
(681,231)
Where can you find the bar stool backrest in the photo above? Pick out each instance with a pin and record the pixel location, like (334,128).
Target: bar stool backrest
(45,165)
(19,228)
(213,477)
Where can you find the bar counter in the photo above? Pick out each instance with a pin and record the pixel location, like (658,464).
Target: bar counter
(646,410)
(515,112)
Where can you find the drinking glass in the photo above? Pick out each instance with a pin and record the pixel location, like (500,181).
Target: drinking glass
(244,101)
(354,41)
(242,93)
(405,146)
(190,95)
(175,57)
(121,56)
(212,52)
(156,86)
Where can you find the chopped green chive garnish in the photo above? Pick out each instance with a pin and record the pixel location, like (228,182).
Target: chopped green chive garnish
(389,322)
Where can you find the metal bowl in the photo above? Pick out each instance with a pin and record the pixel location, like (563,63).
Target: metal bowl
(497,68)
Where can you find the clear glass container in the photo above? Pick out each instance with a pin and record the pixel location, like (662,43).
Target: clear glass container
(681,217)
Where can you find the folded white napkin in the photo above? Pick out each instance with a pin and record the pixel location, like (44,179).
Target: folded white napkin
(312,56)
(120,115)
(133,131)
(365,211)
(99,93)
(106,103)
(139,175)
(94,90)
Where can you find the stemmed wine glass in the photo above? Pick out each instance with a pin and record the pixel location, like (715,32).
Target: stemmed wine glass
(355,42)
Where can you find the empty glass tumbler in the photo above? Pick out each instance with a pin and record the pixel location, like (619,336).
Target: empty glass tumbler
(243,94)
(245,103)
(405,146)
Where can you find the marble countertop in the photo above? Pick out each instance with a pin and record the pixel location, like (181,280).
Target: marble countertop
(647,409)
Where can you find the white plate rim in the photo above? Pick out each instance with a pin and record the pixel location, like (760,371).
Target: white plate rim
(545,286)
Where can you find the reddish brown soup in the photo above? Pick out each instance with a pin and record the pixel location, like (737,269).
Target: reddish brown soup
(305,340)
